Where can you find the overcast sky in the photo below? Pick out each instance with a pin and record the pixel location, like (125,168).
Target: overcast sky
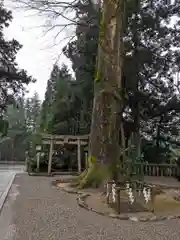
(37,55)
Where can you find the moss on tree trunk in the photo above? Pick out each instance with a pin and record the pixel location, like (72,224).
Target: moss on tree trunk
(105,144)
(94,175)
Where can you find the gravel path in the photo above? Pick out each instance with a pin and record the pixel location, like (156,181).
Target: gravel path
(36,211)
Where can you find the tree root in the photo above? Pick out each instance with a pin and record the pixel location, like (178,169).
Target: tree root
(77,181)
(94,176)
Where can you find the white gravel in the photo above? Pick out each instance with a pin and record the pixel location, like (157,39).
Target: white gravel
(40,212)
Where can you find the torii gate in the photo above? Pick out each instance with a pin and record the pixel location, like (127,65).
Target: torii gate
(51,140)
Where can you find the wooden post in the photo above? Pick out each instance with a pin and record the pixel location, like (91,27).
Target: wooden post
(153,199)
(26,161)
(86,160)
(118,201)
(79,155)
(38,160)
(50,157)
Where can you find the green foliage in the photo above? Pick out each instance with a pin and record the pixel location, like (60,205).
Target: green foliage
(68,102)
(32,112)
(36,138)
(3,127)
(19,132)
(174,155)
(154,154)
(151,105)
(12,86)
(65,113)
(46,109)
(12,79)
(32,165)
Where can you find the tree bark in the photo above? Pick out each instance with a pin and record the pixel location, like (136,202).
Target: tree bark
(105,147)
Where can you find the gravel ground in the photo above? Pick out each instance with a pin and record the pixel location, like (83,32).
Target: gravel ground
(35,210)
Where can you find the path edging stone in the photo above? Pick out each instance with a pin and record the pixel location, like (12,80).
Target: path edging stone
(5,193)
(81,200)
(82,203)
(52,174)
(39,174)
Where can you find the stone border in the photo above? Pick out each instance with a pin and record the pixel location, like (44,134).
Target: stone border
(81,200)
(5,193)
(82,203)
(39,174)
(45,174)
(63,180)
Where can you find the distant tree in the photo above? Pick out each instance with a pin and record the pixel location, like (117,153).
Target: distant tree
(32,111)
(12,79)
(60,121)
(14,145)
(49,97)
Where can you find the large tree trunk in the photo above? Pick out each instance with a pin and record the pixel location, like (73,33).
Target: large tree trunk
(105,147)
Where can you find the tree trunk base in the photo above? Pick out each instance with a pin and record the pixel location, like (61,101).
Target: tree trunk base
(94,176)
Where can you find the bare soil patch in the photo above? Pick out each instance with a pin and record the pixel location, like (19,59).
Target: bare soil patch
(167,201)
(164,204)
